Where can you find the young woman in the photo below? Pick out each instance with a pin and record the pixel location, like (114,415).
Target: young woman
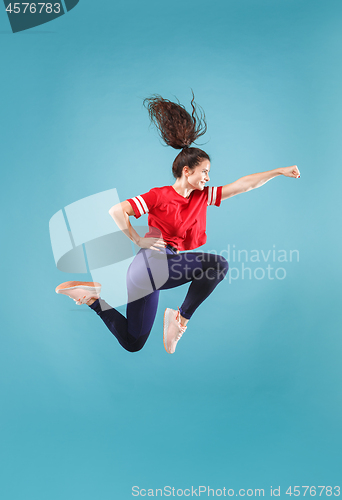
(177,222)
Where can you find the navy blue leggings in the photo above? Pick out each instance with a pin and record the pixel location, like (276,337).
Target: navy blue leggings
(150,272)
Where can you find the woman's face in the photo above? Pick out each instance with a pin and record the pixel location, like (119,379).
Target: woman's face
(198,177)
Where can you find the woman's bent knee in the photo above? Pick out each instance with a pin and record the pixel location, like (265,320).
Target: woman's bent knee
(223,266)
(133,348)
(218,264)
(133,344)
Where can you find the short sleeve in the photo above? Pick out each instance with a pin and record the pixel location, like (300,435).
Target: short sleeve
(143,203)
(214,195)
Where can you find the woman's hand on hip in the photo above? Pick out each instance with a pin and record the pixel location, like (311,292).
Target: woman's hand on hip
(152,243)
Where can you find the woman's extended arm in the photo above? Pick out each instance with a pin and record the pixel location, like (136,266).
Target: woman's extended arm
(253,181)
(121,213)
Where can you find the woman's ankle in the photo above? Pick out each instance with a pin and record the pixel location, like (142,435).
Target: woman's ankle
(91,301)
(183,321)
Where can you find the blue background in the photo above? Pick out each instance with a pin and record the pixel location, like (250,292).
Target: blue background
(252,396)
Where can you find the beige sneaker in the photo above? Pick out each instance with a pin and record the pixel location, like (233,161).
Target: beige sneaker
(80,291)
(173,330)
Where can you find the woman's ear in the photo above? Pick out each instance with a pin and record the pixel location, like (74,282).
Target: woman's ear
(186,171)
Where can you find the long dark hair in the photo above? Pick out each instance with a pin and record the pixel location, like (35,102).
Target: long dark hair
(179,129)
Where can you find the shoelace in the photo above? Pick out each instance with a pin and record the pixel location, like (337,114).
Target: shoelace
(181,327)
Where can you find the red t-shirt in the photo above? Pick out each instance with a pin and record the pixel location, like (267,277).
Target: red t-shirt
(182,221)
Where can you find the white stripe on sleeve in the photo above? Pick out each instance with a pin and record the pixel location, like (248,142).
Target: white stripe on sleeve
(143,202)
(214,195)
(210,190)
(137,202)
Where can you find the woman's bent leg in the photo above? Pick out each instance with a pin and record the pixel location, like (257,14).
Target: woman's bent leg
(205,271)
(214,269)
(142,304)
(133,332)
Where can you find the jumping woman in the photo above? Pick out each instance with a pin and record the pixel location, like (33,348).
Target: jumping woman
(177,224)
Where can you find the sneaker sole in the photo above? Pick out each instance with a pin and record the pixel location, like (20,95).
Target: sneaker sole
(165,327)
(73,285)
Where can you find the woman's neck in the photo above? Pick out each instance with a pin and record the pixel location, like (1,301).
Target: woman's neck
(182,187)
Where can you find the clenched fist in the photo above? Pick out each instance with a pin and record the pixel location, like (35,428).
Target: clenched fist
(291,172)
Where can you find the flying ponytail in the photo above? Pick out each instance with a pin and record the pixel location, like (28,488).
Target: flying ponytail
(178,129)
